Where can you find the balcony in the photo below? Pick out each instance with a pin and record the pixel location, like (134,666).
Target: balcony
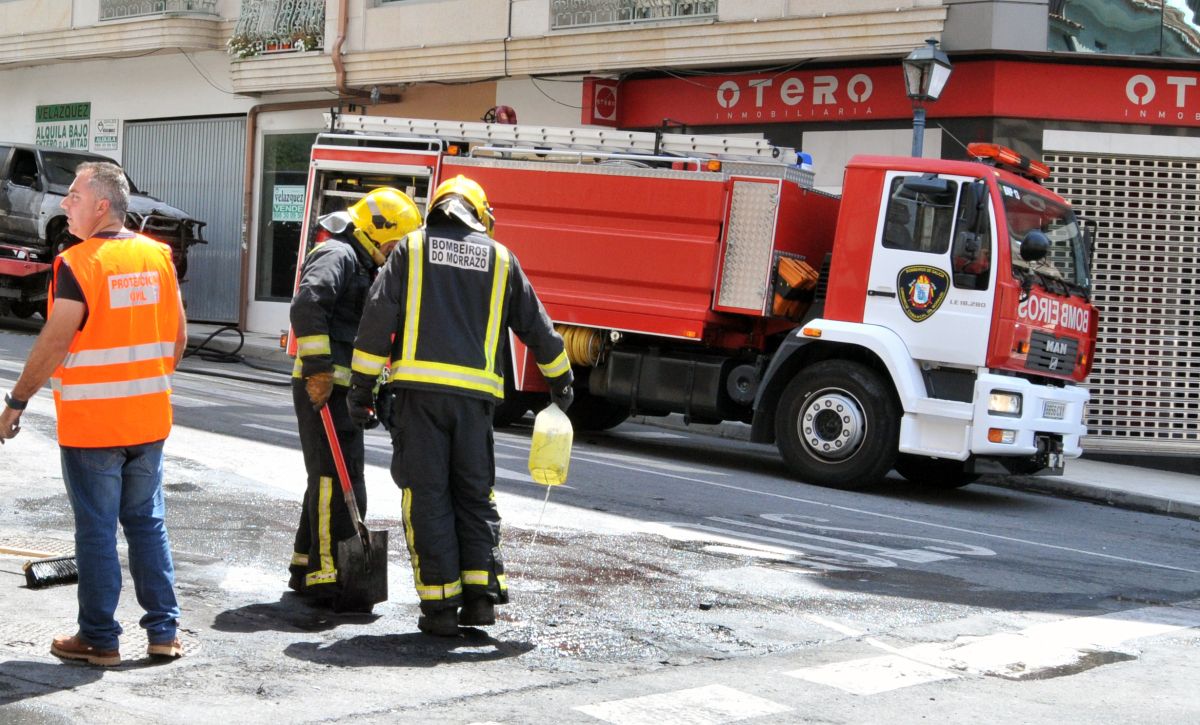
(277,26)
(121,9)
(590,13)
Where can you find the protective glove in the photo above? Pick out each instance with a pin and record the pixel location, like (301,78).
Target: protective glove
(563,397)
(319,387)
(361,402)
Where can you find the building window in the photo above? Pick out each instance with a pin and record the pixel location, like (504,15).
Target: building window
(1167,28)
(583,13)
(281,211)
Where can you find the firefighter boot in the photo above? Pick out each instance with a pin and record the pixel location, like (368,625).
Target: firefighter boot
(478,612)
(442,623)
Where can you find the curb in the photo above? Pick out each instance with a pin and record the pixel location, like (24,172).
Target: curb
(1065,488)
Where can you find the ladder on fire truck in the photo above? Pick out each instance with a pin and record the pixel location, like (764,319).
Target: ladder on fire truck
(575,139)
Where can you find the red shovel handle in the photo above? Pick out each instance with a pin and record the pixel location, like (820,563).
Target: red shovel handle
(339,461)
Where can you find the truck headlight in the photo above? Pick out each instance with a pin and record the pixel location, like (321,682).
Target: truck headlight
(1002,403)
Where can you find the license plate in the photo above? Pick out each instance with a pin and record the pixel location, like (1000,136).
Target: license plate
(1053,409)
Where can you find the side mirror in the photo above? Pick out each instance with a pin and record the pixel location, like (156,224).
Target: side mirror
(1035,245)
(927,185)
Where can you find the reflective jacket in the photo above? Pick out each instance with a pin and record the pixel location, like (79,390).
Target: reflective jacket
(439,310)
(327,306)
(113,388)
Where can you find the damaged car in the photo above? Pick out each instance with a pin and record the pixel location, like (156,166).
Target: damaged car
(33,183)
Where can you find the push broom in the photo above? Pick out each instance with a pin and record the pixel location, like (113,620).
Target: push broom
(46,570)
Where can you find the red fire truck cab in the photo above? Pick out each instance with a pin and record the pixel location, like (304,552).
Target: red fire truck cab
(934,319)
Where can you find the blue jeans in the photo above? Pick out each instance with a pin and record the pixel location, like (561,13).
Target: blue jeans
(107,485)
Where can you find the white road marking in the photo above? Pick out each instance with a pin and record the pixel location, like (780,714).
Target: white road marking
(185,401)
(713,704)
(835,626)
(907,520)
(873,675)
(1019,655)
(643,465)
(272,429)
(919,556)
(648,434)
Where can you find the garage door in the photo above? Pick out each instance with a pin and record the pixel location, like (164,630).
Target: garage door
(1146,379)
(197,165)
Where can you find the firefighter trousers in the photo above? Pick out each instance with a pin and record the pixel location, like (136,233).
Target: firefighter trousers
(324,517)
(444,463)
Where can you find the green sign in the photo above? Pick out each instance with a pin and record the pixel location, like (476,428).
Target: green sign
(63,125)
(287,203)
(64,112)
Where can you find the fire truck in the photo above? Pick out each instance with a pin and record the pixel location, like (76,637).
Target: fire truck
(935,319)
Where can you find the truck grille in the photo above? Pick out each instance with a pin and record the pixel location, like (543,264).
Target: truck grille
(1052,354)
(1145,380)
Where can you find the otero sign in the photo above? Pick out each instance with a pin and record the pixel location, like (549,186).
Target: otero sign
(63,125)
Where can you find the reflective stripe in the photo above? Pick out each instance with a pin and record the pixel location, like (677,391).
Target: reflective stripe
(558,366)
(454,376)
(312,345)
(502,580)
(496,304)
(299,559)
(341,373)
(119,389)
(118,355)
(412,310)
(475,578)
(327,573)
(437,592)
(367,364)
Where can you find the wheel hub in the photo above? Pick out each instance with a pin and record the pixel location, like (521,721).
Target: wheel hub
(832,425)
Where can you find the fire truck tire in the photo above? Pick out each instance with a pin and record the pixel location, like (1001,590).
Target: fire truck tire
(25,310)
(934,472)
(592,413)
(838,425)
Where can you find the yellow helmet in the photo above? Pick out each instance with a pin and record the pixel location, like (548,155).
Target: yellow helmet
(382,216)
(479,215)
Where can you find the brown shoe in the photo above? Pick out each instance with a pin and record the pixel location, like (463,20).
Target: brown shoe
(74,647)
(172,649)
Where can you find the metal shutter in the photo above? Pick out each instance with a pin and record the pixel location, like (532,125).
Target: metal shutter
(198,166)
(1145,382)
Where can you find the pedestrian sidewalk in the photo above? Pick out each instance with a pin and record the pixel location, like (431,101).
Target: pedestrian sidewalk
(1135,487)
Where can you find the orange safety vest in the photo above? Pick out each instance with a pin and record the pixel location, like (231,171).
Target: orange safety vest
(113,388)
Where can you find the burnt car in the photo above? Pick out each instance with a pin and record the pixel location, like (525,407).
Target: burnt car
(33,183)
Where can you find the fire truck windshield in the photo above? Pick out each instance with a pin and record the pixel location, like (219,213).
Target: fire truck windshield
(1067,262)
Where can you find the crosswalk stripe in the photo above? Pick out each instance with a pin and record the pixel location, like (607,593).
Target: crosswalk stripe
(695,706)
(1020,655)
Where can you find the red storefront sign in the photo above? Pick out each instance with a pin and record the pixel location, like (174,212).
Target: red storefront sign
(977,89)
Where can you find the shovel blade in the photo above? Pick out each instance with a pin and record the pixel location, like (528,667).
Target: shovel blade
(362,573)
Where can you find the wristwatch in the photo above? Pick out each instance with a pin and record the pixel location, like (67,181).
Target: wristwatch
(13,403)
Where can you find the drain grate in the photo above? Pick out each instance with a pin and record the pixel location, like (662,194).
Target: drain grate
(33,638)
(34,547)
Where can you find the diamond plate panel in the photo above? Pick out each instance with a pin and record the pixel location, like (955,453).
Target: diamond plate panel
(1145,381)
(746,267)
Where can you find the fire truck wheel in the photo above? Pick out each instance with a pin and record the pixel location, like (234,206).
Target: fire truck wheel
(934,472)
(838,425)
(25,310)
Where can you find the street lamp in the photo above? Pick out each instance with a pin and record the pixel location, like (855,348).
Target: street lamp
(926,71)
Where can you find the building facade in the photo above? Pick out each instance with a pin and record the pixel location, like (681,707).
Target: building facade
(212,105)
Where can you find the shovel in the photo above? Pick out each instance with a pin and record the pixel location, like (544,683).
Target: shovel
(362,558)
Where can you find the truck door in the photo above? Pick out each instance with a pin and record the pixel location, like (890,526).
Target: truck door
(23,191)
(932,278)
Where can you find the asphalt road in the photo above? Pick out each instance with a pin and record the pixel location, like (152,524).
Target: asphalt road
(675,579)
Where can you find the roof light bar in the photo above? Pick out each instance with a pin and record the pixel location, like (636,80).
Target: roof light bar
(1006,157)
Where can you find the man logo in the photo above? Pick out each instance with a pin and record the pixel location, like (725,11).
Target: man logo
(922,289)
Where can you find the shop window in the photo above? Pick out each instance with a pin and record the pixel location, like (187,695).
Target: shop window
(280,213)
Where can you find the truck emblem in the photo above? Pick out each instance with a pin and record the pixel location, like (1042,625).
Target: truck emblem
(922,289)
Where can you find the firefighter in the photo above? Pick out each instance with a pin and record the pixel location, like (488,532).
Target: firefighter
(439,311)
(324,314)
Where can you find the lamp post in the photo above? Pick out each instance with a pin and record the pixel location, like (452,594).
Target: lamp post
(926,71)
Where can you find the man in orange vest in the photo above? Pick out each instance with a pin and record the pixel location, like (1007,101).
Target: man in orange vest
(114,332)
